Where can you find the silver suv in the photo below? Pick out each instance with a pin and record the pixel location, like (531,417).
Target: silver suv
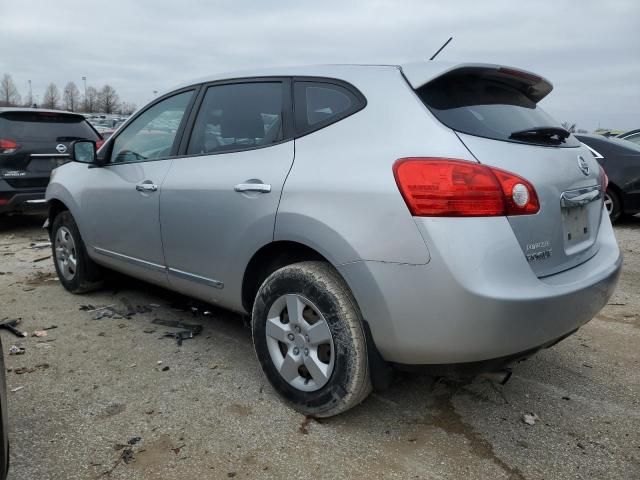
(365,216)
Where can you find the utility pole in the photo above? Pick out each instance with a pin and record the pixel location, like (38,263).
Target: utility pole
(84,79)
(30,95)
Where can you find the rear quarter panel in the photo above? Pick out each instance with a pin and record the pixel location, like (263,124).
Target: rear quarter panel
(341,197)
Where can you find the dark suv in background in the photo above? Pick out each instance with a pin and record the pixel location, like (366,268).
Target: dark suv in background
(32,143)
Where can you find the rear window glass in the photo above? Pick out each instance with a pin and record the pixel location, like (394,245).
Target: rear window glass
(486,108)
(43,127)
(318,104)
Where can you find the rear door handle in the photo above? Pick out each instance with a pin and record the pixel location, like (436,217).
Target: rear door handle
(146,186)
(253,187)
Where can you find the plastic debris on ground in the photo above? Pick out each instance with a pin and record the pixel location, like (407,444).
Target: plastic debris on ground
(39,333)
(110,311)
(11,325)
(127,455)
(530,418)
(15,350)
(187,330)
(191,306)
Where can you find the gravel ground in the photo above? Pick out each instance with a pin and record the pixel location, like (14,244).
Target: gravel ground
(96,384)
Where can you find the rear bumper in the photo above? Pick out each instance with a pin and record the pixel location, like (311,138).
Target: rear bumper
(21,199)
(477,299)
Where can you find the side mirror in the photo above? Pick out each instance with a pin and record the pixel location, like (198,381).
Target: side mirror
(83,151)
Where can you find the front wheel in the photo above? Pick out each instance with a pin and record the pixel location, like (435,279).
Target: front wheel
(76,271)
(308,336)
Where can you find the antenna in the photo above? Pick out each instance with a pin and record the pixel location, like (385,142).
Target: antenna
(441,48)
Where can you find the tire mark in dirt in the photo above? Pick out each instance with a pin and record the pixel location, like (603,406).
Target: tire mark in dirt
(451,422)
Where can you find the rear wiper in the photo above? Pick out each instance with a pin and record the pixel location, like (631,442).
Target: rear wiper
(554,134)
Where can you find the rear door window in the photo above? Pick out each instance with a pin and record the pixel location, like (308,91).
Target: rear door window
(487,108)
(318,104)
(38,127)
(238,116)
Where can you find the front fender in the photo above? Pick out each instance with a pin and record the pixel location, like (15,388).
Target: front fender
(57,191)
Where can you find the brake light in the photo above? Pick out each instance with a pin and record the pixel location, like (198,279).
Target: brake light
(512,72)
(444,187)
(604,180)
(8,146)
(99,143)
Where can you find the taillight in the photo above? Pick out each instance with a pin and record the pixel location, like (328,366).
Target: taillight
(5,198)
(8,146)
(99,143)
(444,187)
(604,180)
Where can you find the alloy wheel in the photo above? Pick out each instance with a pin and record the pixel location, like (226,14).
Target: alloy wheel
(66,257)
(608,203)
(300,342)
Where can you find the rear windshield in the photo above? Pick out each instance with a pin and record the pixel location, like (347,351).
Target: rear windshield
(44,127)
(487,108)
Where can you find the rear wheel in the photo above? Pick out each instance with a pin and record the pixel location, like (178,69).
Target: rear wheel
(612,204)
(308,336)
(76,271)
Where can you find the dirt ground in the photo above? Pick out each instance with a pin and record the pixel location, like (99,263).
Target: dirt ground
(92,385)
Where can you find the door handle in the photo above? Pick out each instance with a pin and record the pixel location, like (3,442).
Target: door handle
(146,187)
(253,187)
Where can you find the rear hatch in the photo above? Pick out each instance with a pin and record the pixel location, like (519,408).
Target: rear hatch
(495,113)
(34,143)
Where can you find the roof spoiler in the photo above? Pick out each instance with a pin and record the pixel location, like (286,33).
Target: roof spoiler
(533,86)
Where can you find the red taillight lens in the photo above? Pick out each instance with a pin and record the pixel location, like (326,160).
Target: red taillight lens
(444,187)
(99,143)
(8,146)
(604,180)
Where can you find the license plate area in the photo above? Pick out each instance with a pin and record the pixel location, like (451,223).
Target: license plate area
(580,226)
(46,164)
(581,213)
(576,226)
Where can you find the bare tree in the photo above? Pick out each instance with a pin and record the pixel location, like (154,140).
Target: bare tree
(71,97)
(51,96)
(108,99)
(569,127)
(8,92)
(91,100)
(127,108)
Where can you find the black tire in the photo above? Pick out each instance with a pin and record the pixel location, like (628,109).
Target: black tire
(87,275)
(616,205)
(349,383)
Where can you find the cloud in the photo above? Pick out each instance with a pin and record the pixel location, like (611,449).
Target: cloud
(588,49)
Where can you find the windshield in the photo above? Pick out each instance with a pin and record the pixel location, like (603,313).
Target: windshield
(484,107)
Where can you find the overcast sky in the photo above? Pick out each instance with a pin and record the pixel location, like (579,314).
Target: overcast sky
(590,50)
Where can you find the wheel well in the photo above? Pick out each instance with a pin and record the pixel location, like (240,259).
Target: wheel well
(618,192)
(55,208)
(267,260)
